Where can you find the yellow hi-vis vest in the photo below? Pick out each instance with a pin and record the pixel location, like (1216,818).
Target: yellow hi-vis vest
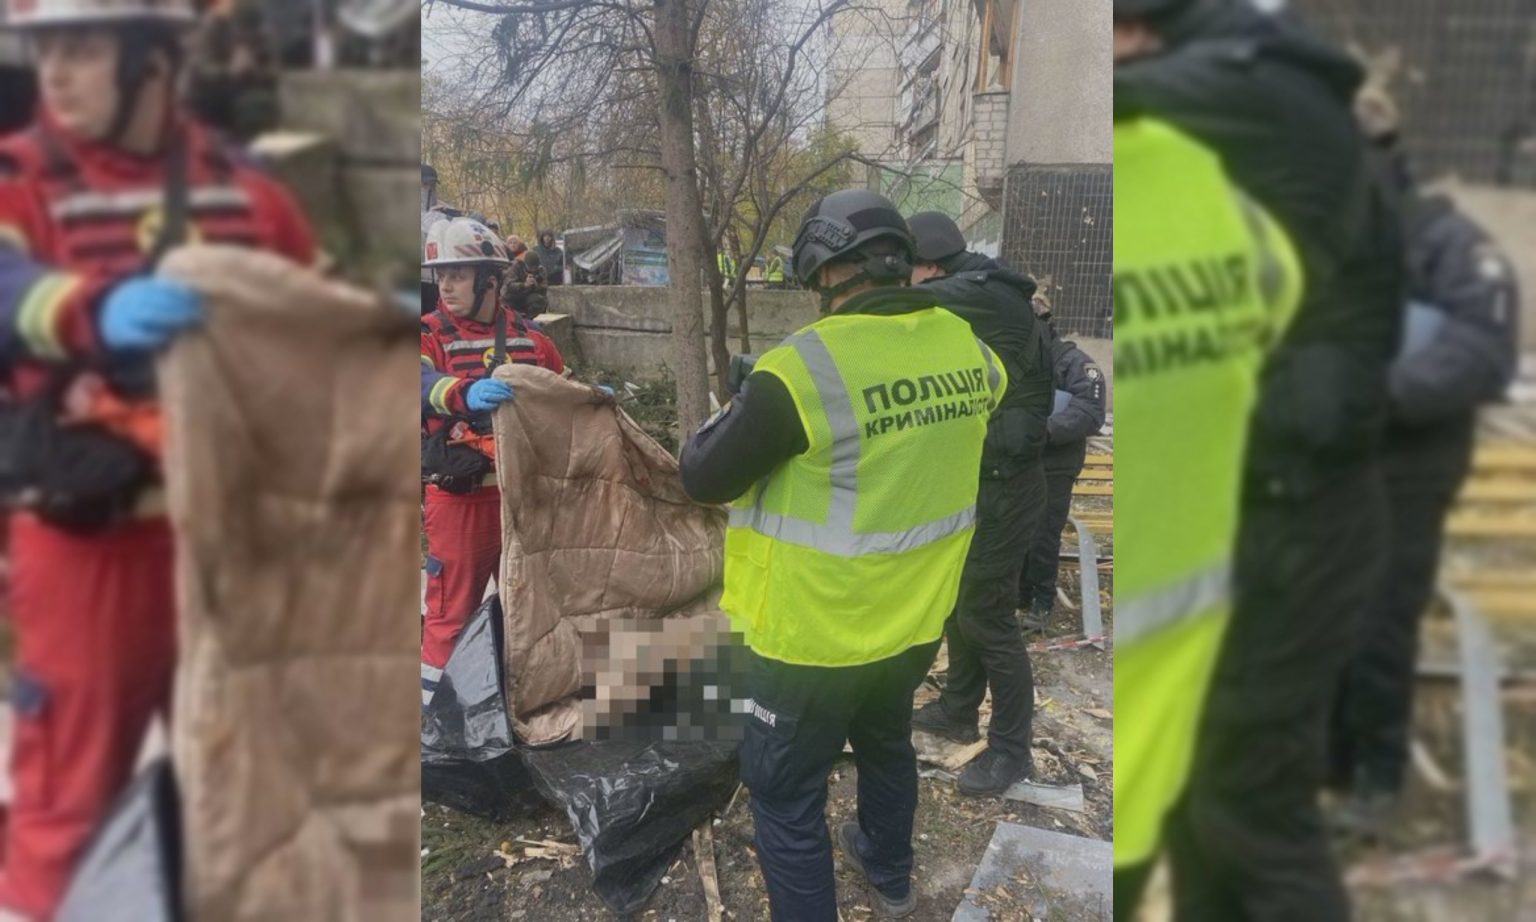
(1203,282)
(851,552)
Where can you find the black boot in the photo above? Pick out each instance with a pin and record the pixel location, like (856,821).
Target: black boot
(932,718)
(885,907)
(992,772)
(1038,617)
(1364,814)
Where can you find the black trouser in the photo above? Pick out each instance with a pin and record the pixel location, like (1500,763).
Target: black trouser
(985,646)
(1248,842)
(1037,579)
(1423,471)
(800,718)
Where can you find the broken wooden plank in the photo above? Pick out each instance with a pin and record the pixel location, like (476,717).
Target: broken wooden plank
(704,856)
(1507,456)
(1491,525)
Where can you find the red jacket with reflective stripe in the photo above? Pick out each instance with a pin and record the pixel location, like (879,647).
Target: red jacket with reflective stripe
(76,218)
(456,352)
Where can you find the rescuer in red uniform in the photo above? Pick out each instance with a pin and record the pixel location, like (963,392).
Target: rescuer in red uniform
(459,349)
(109,174)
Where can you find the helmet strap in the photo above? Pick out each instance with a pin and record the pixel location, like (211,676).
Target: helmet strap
(137,45)
(881,270)
(487,278)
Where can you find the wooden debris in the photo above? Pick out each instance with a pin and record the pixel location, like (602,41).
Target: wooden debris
(704,856)
(1429,769)
(960,757)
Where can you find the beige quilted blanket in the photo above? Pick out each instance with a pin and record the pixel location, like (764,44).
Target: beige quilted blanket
(599,543)
(292,438)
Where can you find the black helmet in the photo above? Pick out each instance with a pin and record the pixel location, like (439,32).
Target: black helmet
(938,236)
(428,175)
(843,222)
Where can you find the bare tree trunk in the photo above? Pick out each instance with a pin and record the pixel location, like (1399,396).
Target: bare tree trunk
(741,318)
(685,212)
(719,321)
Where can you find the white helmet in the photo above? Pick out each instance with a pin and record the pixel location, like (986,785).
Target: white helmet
(463,242)
(41,14)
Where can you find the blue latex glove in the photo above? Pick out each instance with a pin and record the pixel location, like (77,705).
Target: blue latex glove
(147,313)
(487,394)
(607,391)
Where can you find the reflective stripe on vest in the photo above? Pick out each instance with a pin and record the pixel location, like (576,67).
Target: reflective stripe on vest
(1139,617)
(837,536)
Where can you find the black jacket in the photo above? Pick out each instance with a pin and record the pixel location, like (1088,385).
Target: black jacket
(552,259)
(996,303)
(1068,429)
(1276,106)
(759,430)
(1472,357)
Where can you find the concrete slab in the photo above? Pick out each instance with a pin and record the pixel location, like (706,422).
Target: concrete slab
(1053,875)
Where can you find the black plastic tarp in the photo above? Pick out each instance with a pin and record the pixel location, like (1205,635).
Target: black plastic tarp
(634,804)
(469,756)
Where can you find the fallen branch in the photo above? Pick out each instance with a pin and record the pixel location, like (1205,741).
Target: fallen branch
(704,855)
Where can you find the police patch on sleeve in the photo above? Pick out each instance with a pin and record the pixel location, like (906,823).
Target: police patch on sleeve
(1092,372)
(1490,263)
(718,417)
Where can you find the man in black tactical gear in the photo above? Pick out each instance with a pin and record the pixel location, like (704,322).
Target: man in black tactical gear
(1078,412)
(1459,350)
(1274,103)
(985,647)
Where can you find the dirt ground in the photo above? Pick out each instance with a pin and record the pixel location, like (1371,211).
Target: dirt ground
(464,881)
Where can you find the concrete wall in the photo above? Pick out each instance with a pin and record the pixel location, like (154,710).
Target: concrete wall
(369,201)
(1062,107)
(628,329)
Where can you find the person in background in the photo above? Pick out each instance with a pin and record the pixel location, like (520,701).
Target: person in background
(516,247)
(84,217)
(773,274)
(526,290)
(1460,350)
(552,258)
(1078,413)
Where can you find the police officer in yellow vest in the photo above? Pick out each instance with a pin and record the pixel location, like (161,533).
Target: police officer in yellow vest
(1204,281)
(850,459)
(773,275)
